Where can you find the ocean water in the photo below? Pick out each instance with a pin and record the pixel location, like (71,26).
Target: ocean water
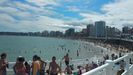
(45,47)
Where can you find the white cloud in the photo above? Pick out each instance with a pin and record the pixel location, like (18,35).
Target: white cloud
(16,13)
(73,8)
(17,16)
(41,23)
(2,1)
(25,17)
(26,7)
(44,2)
(45,10)
(115,14)
(4,18)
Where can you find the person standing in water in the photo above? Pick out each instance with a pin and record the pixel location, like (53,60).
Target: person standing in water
(3,64)
(77,53)
(54,68)
(66,58)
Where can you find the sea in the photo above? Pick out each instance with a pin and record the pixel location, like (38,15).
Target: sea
(47,47)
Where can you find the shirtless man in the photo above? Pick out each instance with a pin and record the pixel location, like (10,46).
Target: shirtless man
(66,57)
(54,68)
(3,64)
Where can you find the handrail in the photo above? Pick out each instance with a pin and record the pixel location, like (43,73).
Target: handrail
(124,73)
(121,58)
(96,69)
(110,64)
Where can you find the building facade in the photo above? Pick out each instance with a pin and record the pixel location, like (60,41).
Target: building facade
(91,30)
(70,32)
(100,29)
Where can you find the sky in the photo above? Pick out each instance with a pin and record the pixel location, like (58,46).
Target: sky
(40,15)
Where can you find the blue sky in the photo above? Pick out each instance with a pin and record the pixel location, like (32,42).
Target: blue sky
(39,15)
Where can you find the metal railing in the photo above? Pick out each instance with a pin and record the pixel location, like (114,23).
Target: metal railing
(111,68)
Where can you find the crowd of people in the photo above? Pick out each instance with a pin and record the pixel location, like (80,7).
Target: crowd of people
(38,66)
(22,67)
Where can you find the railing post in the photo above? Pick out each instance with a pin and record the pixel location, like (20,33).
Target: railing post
(127,60)
(109,68)
(131,57)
